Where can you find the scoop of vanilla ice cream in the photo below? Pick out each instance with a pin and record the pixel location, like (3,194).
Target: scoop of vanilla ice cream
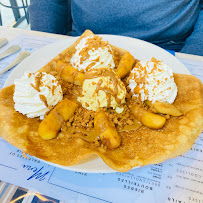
(103,91)
(35,93)
(91,53)
(153,80)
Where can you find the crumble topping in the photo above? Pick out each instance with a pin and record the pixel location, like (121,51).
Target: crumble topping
(153,80)
(92,53)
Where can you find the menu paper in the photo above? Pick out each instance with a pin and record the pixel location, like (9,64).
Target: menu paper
(178,180)
(27,43)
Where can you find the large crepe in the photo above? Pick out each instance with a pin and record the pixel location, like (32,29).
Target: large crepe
(138,148)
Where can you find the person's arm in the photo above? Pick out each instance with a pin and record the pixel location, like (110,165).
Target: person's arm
(51,16)
(194,43)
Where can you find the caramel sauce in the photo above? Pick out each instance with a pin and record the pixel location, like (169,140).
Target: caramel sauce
(33,86)
(65,68)
(98,86)
(44,99)
(134,126)
(118,100)
(108,97)
(90,136)
(53,89)
(90,66)
(106,89)
(97,59)
(109,92)
(38,78)
(144,76)
(92,44)
(38,81)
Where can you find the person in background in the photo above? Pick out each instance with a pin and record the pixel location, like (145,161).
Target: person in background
(174,25)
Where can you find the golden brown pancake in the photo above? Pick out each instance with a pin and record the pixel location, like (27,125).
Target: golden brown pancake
(138,148)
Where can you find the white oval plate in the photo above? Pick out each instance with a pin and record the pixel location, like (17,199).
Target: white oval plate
(139,49)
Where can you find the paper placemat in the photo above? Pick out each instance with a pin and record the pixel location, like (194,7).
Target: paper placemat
(175,180)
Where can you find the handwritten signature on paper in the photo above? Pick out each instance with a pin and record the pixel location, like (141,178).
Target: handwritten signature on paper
(38,173)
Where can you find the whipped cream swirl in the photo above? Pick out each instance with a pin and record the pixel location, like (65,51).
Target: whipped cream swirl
(153,80)
(36,93)
(97,56)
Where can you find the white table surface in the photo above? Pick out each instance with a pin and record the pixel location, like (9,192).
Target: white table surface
(11,33)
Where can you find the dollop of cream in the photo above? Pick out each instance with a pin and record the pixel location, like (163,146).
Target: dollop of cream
(97,54)
(103,90)
(36,93)
(153,80)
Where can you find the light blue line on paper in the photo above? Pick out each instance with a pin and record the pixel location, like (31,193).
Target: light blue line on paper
(74,190)
(8,167)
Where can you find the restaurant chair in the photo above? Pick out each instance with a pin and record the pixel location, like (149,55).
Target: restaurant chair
(16,11)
